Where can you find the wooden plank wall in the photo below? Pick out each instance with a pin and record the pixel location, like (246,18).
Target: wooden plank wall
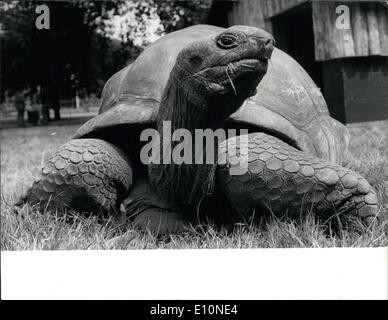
(275,7)
(250,12)
(368,33)
(259,12)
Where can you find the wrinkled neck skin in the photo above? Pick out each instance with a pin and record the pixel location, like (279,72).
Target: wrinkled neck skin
(183,184)
(182,107)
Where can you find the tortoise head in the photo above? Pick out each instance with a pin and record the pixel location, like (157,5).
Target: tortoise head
(220,72)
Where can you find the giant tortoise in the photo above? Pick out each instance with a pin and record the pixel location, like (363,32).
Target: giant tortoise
(209,78)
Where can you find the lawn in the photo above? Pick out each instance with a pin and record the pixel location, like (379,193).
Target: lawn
(21,155)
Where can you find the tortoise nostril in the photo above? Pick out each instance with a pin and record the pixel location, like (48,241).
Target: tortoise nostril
(269,42)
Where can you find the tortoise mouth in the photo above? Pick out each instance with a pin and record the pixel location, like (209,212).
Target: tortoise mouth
(244,75)
(249,65)
(258,65)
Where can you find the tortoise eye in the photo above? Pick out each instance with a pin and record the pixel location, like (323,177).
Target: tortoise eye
(227,41)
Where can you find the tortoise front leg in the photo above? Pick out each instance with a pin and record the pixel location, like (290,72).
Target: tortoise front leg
(87,175)
(149,212)
(282,178)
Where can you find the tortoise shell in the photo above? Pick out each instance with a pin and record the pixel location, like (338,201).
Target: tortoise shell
(288,104)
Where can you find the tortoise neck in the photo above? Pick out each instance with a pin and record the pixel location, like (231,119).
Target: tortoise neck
(183,108)
(181,183)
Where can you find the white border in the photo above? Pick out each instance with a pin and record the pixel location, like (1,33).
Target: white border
(196,274)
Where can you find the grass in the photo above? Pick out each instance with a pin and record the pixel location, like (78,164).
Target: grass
(21,156)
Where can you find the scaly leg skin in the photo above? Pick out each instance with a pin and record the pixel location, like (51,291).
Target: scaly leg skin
(87,175)
(148,212)
(282,178)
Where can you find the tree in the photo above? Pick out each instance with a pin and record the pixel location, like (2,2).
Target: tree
(160,17)
(176,15)
(76,53)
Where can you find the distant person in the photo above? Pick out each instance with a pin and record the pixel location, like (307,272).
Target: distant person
(20,107)
(33,108)
(45,106)
(55,105)
(37,101)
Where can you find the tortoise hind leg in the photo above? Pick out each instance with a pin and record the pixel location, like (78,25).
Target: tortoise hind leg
(87,175)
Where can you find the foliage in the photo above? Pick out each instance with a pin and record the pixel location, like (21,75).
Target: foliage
(171,15)
(78,52)
(176,15)
(75,53)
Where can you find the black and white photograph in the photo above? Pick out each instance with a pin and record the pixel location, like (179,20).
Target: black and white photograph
(154,128)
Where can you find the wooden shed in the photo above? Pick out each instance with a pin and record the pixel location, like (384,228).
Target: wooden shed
(343,45)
